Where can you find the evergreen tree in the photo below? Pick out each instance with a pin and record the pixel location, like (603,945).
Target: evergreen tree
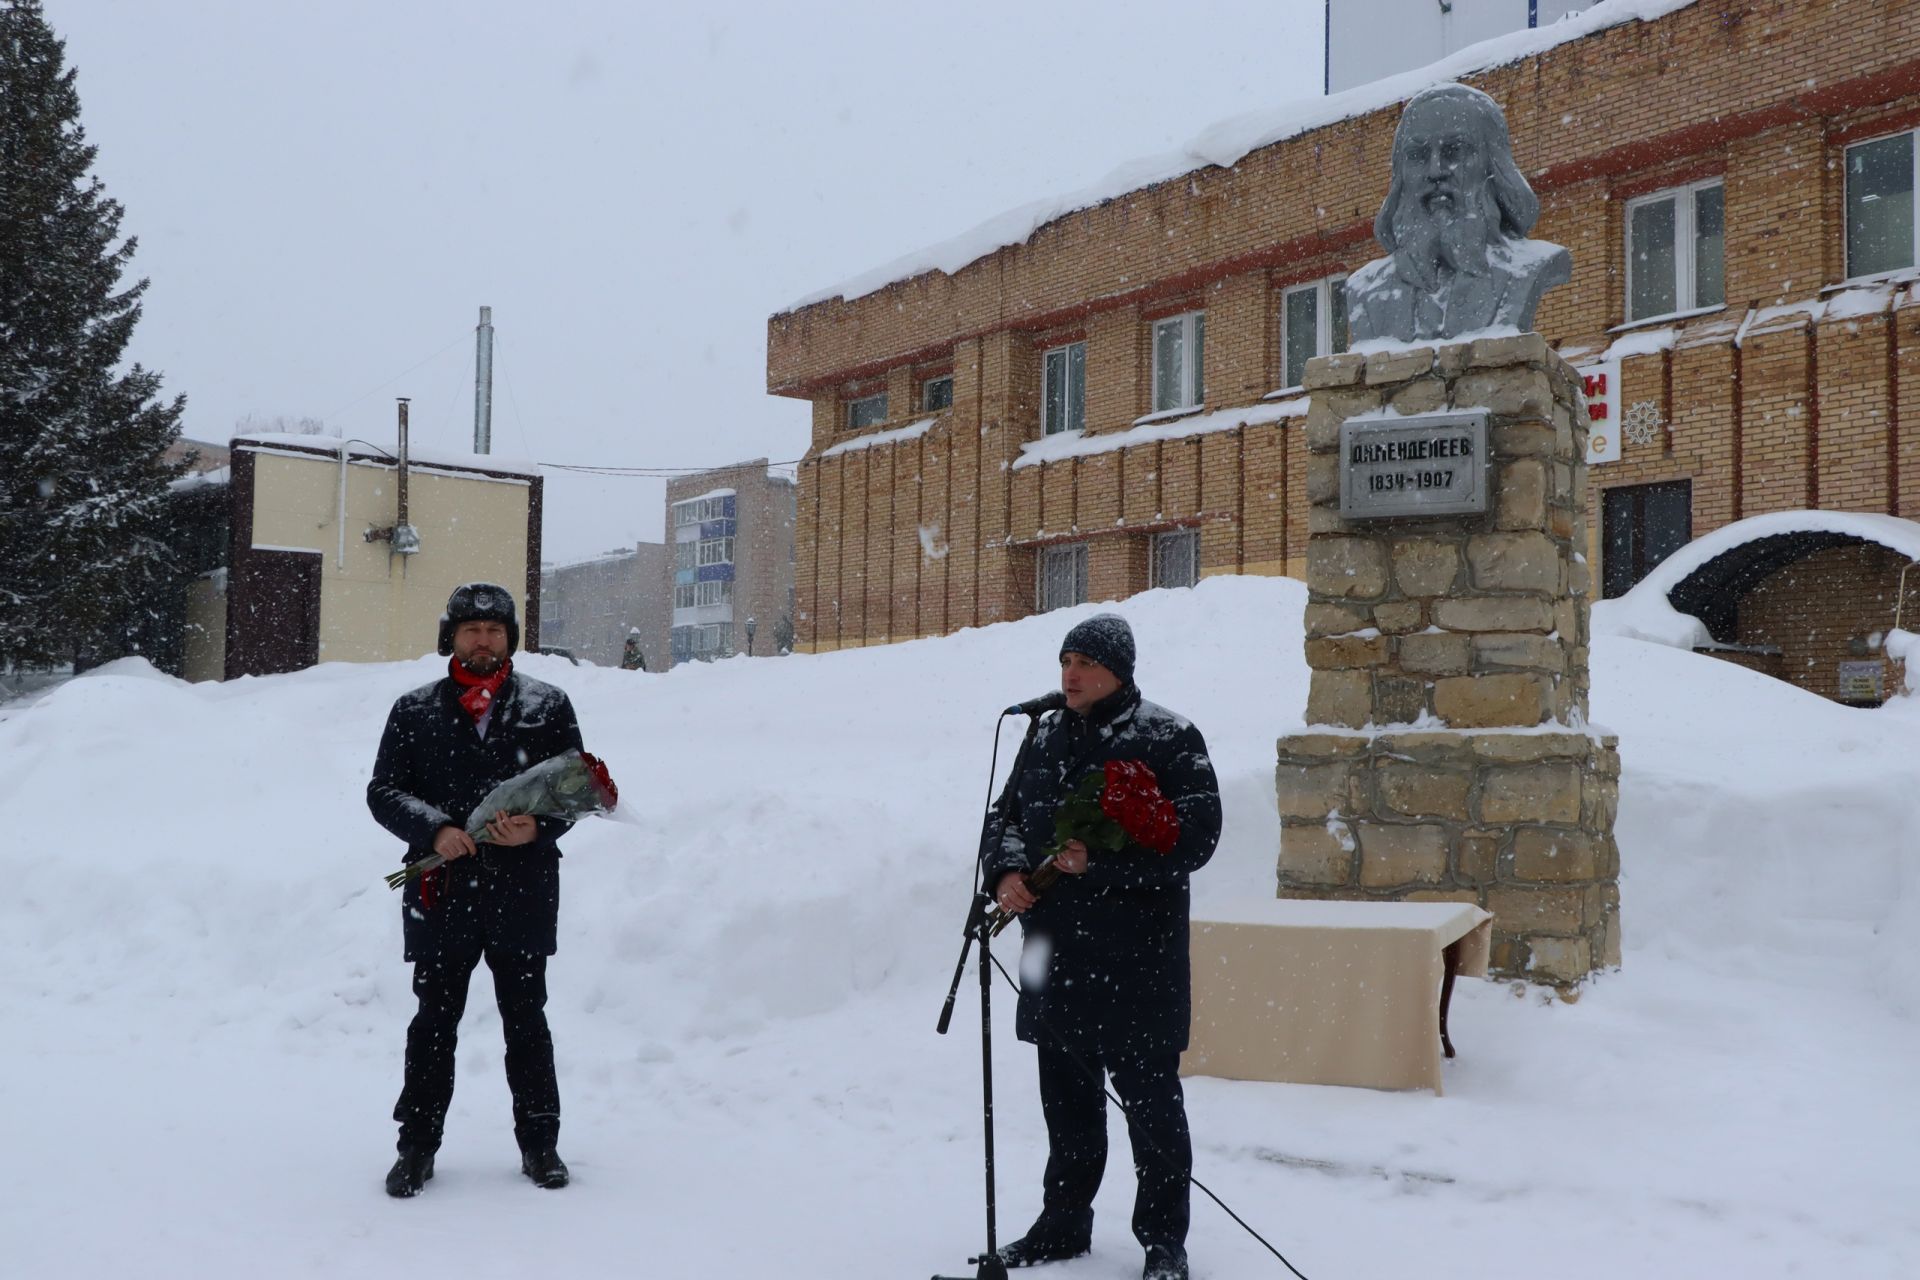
(83,488)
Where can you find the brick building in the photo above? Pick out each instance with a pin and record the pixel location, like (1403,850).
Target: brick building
(1112,403)
(731,531)
(590,607)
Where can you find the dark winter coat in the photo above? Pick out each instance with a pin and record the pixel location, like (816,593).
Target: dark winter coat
(432,770)
(1116,977)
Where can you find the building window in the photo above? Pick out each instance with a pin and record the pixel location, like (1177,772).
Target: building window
(683,594)
(1179,361)
(1313,322)
(1881,229)
(867,411)
(713,550)
(1063,399)
(1176,558)
(683,554)
(1676,250)
(700,510)
(1641,525)
(711,641)
(712,593)
(936,394)
(1063,576)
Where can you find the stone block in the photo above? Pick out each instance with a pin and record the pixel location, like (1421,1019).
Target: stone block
(1521,909)
(1340,697)
(1493,613)
(1507,393)
(1509,649)
(1399,617)
(1385,367)
(1326,619)
(1470,897)
(1559,960)
(1313,791)
(1397,700)
(1425,747)
(1490,702)
(1317,854)
(1346,568)
(1610,941)
(1425,568)
(1523,440)
(1542,793)
(1422,395)
(1569,621)
(1341,653)
(1530,748)
(1549,856)
(1524,348)
(1326,519)
(1342,370)
(1453,359)
(1448,653)
(1321,746)
(1416,791)
(1323,480)
(1330,409)
(1391,854)
(1600,802)
(1476,856)
(1515,562)
(1520,495)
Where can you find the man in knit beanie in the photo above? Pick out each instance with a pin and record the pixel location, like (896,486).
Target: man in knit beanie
(1105,982)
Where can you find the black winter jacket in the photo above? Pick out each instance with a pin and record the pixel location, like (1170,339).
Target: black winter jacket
(432,770)
(1114,939)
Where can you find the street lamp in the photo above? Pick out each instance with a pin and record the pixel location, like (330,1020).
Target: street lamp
(749,637)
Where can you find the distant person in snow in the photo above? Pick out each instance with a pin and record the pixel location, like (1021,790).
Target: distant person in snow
(1105,983)
(631,659)
(446,745)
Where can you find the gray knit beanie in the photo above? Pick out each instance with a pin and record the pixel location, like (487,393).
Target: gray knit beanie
(1108,640)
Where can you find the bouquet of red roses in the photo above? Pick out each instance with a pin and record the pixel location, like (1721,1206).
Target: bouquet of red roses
(571,785)
(1107,809)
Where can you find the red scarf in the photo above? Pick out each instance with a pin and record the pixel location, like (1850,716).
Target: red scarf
(478,692)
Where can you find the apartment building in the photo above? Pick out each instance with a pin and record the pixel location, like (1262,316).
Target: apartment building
(732,534)
(591,607)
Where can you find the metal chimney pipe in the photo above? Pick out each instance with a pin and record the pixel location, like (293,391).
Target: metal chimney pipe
(483,383)
(401,519)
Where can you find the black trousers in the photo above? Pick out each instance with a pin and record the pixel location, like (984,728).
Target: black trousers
(520,988)
(1075,1106)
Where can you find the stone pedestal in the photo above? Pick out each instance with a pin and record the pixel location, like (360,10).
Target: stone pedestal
(1447,754)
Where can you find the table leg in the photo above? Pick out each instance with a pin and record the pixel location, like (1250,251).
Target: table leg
(1450,958)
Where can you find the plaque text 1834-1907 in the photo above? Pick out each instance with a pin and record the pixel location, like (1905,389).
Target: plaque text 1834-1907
(1432,464)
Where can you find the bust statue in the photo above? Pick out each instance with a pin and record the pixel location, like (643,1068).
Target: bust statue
(1455,226)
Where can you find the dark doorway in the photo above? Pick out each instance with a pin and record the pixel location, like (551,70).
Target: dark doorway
(1641,525)
(273,613)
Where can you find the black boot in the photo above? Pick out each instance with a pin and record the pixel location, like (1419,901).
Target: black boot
(545,1167)
(409,1173)
(1040,1245)
(1165,1264)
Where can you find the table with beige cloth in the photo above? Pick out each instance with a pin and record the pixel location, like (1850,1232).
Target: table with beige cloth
(1327,992)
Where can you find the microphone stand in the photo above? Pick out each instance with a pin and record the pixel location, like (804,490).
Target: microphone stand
(988,1265)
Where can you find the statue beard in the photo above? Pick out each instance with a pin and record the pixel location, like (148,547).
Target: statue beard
(1423,243)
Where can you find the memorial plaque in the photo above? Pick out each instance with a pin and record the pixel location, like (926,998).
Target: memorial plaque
(1430,464)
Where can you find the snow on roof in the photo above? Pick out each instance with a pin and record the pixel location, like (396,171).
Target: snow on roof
(912,431)
(1644,613)
(1077,444)
(380,453)
(201,479)
(1226,142)
(702,497)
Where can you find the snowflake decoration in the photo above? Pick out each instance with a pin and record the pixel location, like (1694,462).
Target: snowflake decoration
(1643,422)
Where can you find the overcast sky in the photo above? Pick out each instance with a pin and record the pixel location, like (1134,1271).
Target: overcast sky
(325,193)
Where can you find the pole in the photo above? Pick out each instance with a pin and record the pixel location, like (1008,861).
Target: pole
(483,383)
(401,519)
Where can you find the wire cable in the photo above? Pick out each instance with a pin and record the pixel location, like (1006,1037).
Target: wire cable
(395,378)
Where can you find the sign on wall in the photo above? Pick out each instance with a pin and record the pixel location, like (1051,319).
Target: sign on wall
(1602,385)
(1432,464)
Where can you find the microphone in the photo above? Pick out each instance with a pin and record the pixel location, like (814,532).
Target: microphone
(1038,706)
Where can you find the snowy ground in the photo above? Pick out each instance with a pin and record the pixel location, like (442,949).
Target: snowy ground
(203,999)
